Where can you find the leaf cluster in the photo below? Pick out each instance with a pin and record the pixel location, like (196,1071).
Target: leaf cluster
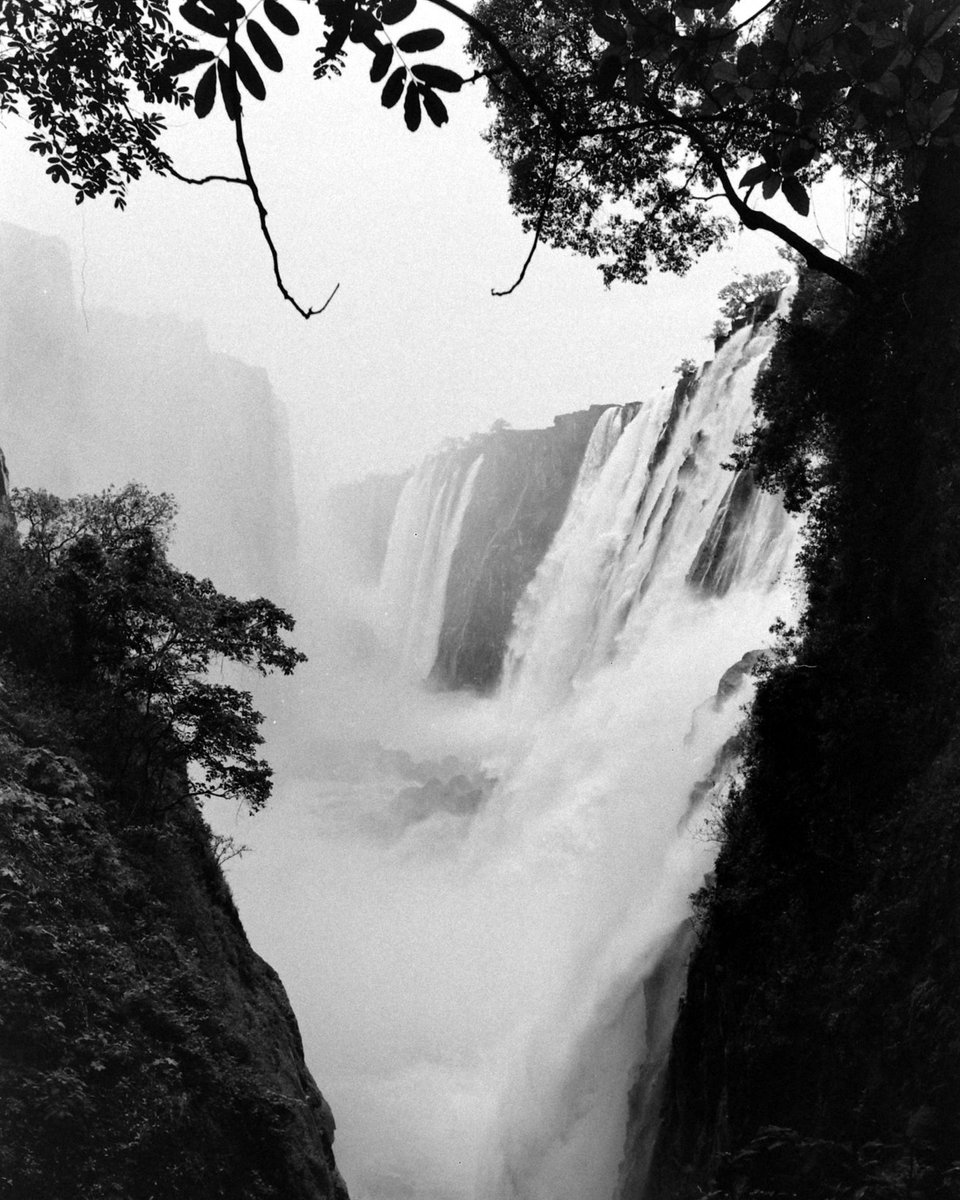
(77,73)
(367,24)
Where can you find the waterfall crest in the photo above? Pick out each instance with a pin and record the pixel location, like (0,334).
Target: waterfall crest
(423,537)
(651,513)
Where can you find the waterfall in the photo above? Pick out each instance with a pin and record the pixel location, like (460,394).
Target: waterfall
(661,511)
(481,907)
(423,537)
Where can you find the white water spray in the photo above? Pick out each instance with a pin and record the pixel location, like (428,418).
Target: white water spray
(471,960)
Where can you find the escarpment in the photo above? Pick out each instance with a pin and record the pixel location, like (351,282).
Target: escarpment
(146,1050)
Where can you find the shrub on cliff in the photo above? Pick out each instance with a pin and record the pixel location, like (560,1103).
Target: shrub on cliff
(89,599)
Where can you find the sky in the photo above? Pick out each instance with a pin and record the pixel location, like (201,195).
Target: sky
(416,229)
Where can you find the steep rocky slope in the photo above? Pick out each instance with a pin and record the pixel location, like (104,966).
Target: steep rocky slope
(146,1050)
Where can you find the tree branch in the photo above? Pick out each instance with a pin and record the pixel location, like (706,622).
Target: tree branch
(170,169)
(544,208)
(751,218)
(754,218)
(251,182)
(503,53)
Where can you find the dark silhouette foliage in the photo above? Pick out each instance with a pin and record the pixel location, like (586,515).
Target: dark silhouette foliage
(89,600)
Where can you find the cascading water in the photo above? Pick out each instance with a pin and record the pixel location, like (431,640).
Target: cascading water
(423,537)
(482,934)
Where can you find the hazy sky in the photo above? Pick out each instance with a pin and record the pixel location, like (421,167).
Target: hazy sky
(416,229)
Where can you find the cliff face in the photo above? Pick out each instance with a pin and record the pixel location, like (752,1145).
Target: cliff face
(356,518)
(817,1052)
(146,1050)
(519,500)
(90,398)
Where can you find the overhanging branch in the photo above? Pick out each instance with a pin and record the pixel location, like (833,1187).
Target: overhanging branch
(544,209)
(251,182)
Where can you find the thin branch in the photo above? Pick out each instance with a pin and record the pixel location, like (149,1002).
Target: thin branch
(172,170)
(251,182)
(544,208)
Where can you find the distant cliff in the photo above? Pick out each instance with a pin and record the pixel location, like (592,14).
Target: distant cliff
(94,397)
(519,500)
(357,516)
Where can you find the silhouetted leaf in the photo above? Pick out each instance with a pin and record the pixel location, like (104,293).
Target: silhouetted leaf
(607,72)
(248,73)
(261,41)
(363,29)
(435,107)
(228,89)
(609,28)
(393,88)
(795,156)
(186,59)
(206,92)
(227,10)
(771,185)
(419,41)
(438,77)
(202,18)
(930,62)
(395,11)
(280,17)
(756,175)
(411,108)
(796,195)
(942,107)
(381,63)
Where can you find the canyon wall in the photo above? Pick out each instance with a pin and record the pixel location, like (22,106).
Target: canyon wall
(92,397)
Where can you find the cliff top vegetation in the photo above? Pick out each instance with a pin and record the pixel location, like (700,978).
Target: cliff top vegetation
(90,604)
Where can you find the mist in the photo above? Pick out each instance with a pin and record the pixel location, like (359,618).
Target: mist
(468,896)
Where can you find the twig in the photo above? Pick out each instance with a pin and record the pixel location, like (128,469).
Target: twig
(544,207)
(251,183)
(172,170)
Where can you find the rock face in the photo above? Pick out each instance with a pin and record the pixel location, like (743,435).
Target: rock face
(519,500)
(357,517)
(146,1050)
(90,398)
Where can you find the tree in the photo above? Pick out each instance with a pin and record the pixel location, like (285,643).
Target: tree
(650,112)
(620,122)
(134,640)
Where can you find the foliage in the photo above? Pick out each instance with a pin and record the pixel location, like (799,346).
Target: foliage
(647,109)
(90,598)
(743,293)
(619,121)
(73,69)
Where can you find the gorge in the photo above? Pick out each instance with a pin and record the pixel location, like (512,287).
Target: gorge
(499,786)
(500,780)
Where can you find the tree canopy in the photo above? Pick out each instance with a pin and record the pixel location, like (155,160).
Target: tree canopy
(650,112)
(88,597)
(620,122)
